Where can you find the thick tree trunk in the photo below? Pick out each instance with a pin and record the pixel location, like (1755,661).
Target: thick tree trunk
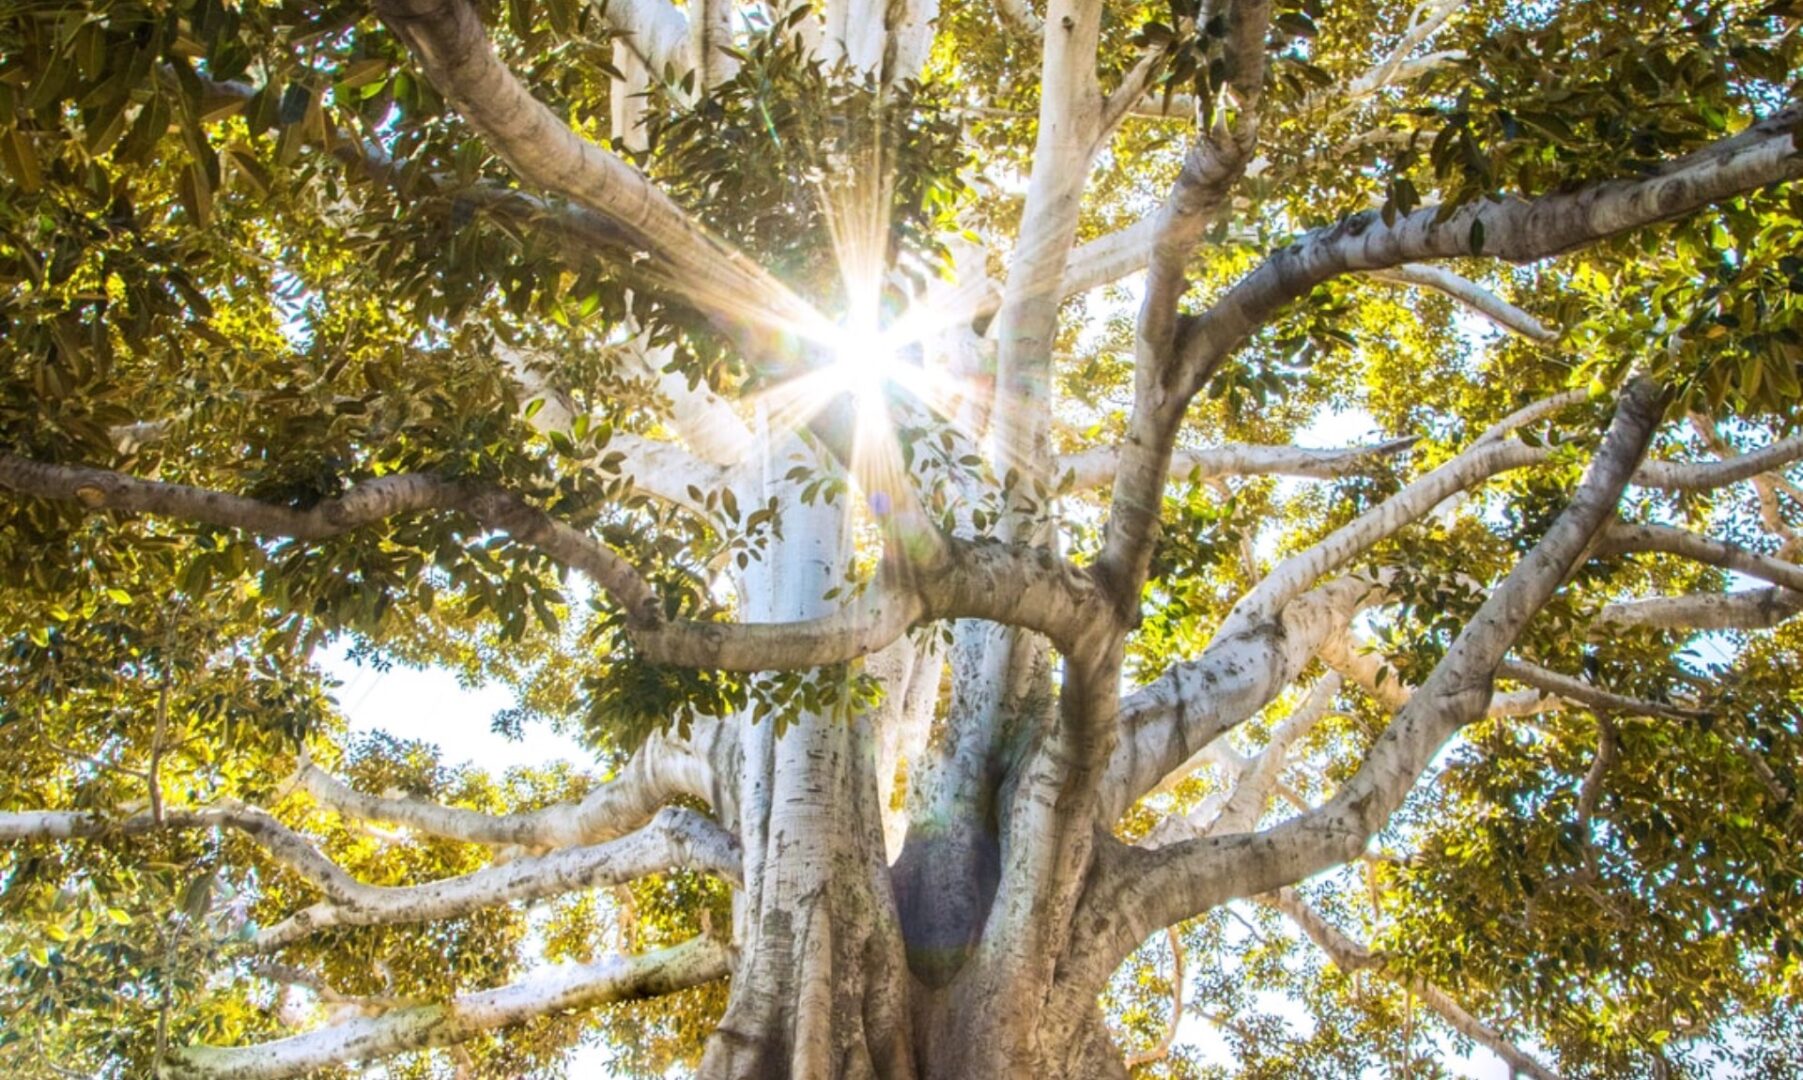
(848,967)
(821,987)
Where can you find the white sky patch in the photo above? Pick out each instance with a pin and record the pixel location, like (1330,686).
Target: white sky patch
(431,706)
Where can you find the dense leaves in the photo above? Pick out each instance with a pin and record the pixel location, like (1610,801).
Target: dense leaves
(247,247)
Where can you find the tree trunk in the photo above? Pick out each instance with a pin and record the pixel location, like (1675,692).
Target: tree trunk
(821,988)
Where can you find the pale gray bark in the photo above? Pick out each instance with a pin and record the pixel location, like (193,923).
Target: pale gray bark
(979,952)
(675,838)
(1473,296)
(1095,467)
(550,990)
(1151,890)
(1747,609)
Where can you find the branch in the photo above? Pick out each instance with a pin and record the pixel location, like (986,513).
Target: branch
(1155,889)
(675,838)
(859,628)
(1702,476)
(1163,1049)
(1166,724)
(1530,413)
(1349,956)
(1584,693)
(701,418)
(286,846)
(661,770)
(1622,538)
(654,30)
(1211,169)
(710,35)
(1747,609)
(1252,779)
(1513,228)
(1364,668)
(1096,466)
(662,470)
(577,228)
(454,52)
(1091,265)
(1016,15)
(554,989)
(1300,571)
(1473,296)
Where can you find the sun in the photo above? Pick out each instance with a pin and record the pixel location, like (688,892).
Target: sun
(865,362)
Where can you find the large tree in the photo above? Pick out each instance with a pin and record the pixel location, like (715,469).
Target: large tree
(874,428)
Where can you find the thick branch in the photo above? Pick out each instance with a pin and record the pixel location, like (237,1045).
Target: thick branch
(1517,229)
(675,838)
(1168,722)
(454,51)
(1095,467)
(1622,537)
(1157,889)
(553,989)
(663,769)
(1747,609)
(1701,476)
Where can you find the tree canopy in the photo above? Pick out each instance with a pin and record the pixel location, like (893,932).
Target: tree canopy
(1053,520)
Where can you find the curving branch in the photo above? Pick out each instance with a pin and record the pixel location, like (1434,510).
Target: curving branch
(364,503)
(1148,890)
(1622,538)
(1162,1049)
(1476,465)
(666,767)
(1471,295)
(1096,466)
(1574,689)
(554,989)
(1704,475)
(1349,956)
(1746,609)
(1274,630)
(1532,412)
(1013,584)
(286,846)
(1368,671)
(453,50)
(1514,228)
(675,838)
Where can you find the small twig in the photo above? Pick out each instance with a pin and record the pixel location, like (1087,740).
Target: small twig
(152,777)
(1163,1049)
(112,766)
